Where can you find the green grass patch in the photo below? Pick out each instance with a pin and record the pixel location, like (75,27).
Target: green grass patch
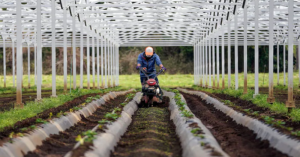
(31,109)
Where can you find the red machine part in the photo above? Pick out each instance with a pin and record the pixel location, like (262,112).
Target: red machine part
(151,82)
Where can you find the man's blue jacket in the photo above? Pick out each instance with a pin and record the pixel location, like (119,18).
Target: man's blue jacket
(149,64)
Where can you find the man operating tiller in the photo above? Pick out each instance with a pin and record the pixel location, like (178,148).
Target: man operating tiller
(146,64)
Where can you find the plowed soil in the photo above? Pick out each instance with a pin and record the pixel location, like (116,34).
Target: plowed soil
(59,145)
(151,134)
(242,105)
(44,115)
(236,140)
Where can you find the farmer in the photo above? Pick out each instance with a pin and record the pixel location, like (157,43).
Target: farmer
(147,61)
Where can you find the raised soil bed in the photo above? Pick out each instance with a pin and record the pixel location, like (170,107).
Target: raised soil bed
(234,139)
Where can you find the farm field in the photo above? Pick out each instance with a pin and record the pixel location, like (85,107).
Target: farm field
(150,130)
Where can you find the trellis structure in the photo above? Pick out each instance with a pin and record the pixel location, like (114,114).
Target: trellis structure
(105,25)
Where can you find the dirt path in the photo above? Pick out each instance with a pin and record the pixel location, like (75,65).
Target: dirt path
(59,145)
(151,134)
(236,140)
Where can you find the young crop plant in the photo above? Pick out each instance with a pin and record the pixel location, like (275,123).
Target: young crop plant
(296,133)
(248,110)
(112,116)
(59,114)
(117,109)
(90,135)
(255,113)
(123,104)
(187,114)
(40,120)
(50,115)
(269,120)
(32,126)
(76,108)
(79,139)
(23,129)
(196,131)
(104,121)
(11,136)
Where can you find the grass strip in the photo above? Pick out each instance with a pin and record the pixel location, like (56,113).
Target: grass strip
(260,100)
(31,109)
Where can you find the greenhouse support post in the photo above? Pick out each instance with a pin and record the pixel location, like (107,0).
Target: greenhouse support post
(271,98)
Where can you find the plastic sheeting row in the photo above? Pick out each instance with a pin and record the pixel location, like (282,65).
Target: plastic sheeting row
(105,142)
(191,145)
(277,140)
(22,145)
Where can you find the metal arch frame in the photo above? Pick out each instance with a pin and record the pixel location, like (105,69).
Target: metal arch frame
(143,23)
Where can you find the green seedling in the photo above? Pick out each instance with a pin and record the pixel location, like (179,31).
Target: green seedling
(123,104)
(11,136)
(269,120)
(112,115)
(79,139)
(117,109)
(104,121)
(100,127)
(71,110)
(50,115)
(39,120)
(289,128)
(181,108)
(247,110)
(296,133)
(255,113)
(195,130)
(202,144)
(187,114)
(23,129)
(59,114)
(201,136)
(279,123)
(90,135)
(32,127)
(76,108)
(20,134)
(65,114)
(180,103)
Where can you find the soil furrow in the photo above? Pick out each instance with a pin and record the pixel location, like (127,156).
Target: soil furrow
(151,134)
(59,145)
(235,139)
(43,115)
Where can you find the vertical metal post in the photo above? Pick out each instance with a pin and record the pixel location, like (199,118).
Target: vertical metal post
(81,55)
(206,63)
(53,9)
(245,49)
(229,54)
(203,64)
(28,63)
(290,102)
(111,64)
(236,68)
(256,6)
(284,58)
(105,61)
(118,72)
(19,103)
(213,62)
(102,81)
(35,63)
(218,63)
(13,61)
(93,61)
(65,50)
(200,62)
(271,98)
(88,59)
(278,63)
(98,83)
(74,51)
(4,62)
(223,60)
(194,50)
(209,62)
(39,52)
(299,60)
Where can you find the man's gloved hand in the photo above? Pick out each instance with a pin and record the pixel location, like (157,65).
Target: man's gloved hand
(163,69)
(138,67)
